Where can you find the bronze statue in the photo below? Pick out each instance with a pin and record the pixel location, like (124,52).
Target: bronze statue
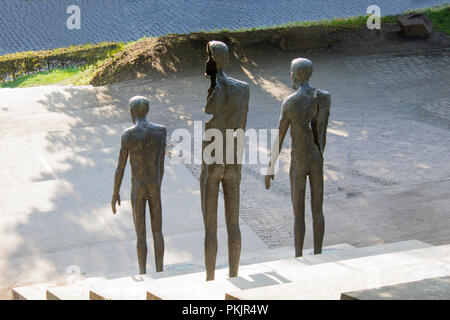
(227,102)
(145,143)
(306,112)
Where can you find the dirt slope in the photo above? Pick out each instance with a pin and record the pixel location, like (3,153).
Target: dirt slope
(174,53)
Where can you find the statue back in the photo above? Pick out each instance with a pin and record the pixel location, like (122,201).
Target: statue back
(229,102)
(146,147)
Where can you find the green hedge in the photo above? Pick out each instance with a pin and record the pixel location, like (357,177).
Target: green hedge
(17,64)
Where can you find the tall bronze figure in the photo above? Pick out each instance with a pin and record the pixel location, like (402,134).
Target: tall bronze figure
(227,102)
(145,143)
(306,112)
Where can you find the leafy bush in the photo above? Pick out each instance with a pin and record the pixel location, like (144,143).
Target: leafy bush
(22,63)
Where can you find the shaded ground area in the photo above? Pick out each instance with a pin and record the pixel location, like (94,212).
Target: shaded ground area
(386,169)
(37,25)
(158,58)
(58,159)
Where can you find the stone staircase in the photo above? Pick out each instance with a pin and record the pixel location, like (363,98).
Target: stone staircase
(266,274)
(66,289)
(329,281)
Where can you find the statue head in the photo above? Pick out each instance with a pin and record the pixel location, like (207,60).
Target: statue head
(218,51)
(139,107)
(301,71)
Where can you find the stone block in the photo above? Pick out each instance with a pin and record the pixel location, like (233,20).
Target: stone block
(329,280)
(428,289)
(416,25)
(267,275)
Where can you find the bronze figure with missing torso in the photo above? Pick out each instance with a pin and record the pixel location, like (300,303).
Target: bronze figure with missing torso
(227,102)
(306,113)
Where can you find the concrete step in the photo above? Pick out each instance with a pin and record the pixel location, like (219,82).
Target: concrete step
(428,289)
(127,285)
(127,288)
(73,207)
(194,286)
(329,280)
(80,289)
(67,289)
(32,292)
(124,289)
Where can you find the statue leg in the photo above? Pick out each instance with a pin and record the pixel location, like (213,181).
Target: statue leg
(154,196)
(230,184)
(316,186)
(138,203)
(298,185)
(209,189)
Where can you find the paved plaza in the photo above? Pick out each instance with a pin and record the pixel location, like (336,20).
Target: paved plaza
(37,25)
(386,163)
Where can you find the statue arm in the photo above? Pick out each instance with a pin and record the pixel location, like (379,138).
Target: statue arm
(283,126)
(123,156)
(243,123)
(163,156)
(319,123)
(214,99)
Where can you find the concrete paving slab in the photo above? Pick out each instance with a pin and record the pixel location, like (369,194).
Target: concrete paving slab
(84,233)
(32,292)
(327,281)
(269,273)
(80,290)
(125,289)
(66,172)
(428,289)
(386,174)
(257,274)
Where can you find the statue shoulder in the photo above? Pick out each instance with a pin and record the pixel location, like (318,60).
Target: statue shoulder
(246,89)
(163,130)
(245,86)
(289,101)
(236,81)
(126,134)
(242,85)
(324,97)
(159,128)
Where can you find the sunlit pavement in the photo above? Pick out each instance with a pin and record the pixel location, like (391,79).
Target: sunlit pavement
(386,163)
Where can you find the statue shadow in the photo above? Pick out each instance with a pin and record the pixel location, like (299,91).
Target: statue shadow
(59,213)
(258,280)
